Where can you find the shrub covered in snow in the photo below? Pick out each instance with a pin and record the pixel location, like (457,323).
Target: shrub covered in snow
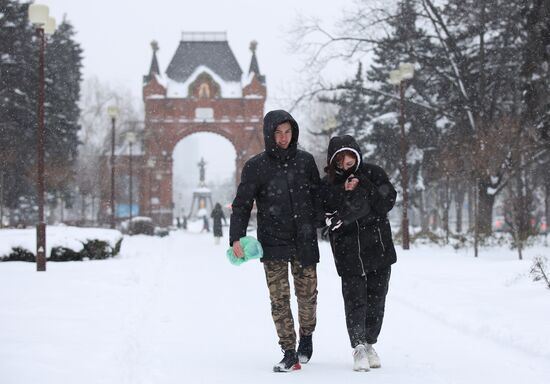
(161,231)
(62,244)
(142,225)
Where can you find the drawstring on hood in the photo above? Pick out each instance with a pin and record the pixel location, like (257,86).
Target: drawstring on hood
(271,121)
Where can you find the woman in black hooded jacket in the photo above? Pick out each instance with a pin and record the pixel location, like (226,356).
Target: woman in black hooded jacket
(356,199)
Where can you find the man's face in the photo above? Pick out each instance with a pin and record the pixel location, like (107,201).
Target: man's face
(283,135)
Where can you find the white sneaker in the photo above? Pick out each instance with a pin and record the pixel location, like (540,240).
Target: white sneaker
(374,359)
(360,359)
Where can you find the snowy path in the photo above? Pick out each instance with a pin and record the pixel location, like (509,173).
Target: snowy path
(173,310)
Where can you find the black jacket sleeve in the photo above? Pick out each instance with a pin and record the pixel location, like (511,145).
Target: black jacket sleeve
(374,197)
(243,202)
(315,190)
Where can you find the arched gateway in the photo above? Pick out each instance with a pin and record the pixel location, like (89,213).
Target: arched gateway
(203,90)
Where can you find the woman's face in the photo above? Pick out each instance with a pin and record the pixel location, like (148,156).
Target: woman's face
(346,163)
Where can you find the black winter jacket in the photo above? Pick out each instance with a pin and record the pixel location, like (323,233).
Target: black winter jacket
(364,243)
(285,186)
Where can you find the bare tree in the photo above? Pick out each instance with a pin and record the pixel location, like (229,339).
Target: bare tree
(95,134)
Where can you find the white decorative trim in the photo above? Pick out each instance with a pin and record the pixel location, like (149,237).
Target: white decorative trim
(351,150)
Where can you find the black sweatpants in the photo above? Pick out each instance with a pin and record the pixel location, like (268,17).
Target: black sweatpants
(364,302)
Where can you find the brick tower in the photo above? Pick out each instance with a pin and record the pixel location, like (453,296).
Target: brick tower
(203,90)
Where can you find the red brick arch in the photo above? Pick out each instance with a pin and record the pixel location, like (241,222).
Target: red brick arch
(175,108)
(168,121)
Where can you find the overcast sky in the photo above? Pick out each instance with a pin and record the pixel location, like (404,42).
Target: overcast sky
(116,35)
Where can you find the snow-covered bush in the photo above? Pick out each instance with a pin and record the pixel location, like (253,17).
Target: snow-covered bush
(99,249)
(18,254)
(62,244)
(161,232)
(63,254)
(422,237)
(142,225)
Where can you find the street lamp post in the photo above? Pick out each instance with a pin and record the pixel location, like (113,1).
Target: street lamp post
(113,113)
(131,138)
(397,77)
(44,24)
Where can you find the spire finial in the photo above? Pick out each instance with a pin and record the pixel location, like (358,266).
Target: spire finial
(253,46)
(155,46)
(154,62)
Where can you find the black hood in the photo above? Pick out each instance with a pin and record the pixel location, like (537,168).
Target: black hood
(271,120)
(343,143)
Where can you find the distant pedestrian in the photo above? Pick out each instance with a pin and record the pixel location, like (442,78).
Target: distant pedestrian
(205,224)
(184,222)
(217,216)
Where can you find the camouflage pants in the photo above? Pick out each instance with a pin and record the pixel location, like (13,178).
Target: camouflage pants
(305,287)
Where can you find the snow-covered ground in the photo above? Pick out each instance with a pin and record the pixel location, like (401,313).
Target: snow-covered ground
(174,310)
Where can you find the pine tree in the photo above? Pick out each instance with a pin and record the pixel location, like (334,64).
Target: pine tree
(63,76)
(535,74)
(482,69)
(352,112)
(479,87)
(17,106)
(536,65)
(406,43)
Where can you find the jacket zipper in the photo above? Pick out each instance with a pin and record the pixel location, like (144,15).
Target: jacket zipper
(359,249)
(294,215)
(381,242)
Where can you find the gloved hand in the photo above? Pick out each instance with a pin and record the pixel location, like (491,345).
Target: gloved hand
(333,221)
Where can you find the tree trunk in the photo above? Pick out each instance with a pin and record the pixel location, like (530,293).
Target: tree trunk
(471,205)
(62,213)
(446,208)
(520,248)
(94,217)
(485,208)
(424,216)
(459,199)
(1,199)
(438,208)
(547,202)
(83,209)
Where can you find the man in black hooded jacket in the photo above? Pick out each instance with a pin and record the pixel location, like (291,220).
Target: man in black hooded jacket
(284,182)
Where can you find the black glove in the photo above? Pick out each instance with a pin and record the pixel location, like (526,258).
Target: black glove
(333,221)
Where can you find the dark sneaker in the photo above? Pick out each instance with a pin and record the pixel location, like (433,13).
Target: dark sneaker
(289,363)
(305,349)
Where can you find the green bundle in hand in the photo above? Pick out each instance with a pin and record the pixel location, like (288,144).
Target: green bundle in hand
(252,250)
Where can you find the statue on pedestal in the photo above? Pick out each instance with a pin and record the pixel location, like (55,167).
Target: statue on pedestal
(202,165)
(202,196)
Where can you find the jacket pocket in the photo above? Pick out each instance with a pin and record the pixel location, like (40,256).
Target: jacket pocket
(371,239)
